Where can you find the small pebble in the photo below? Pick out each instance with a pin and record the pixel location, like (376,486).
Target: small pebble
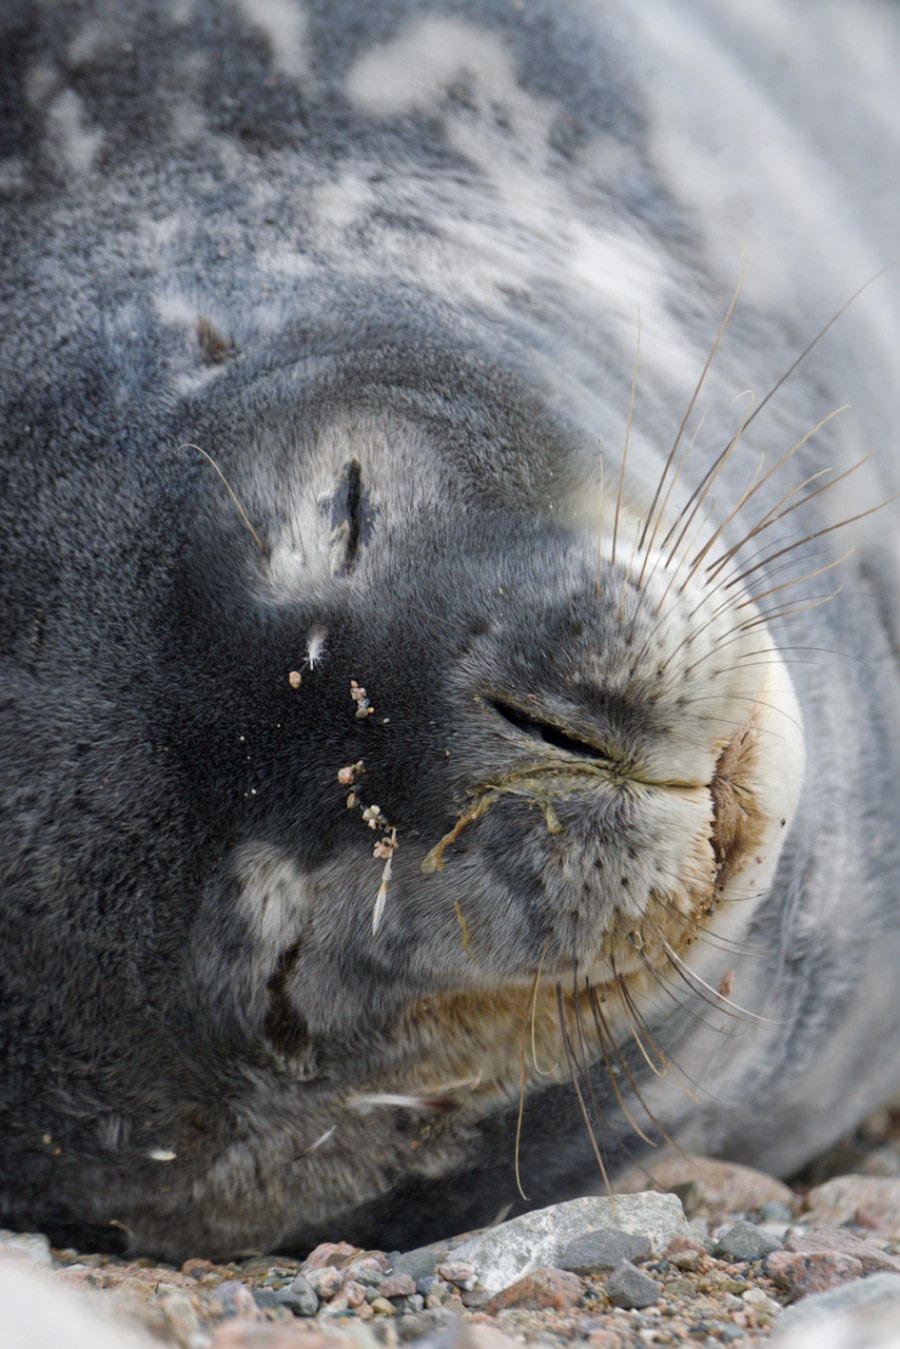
(556,1289)
(324,1281)
(774,1212)
(760,1301)
(745,1241)
(603,1249)
(458,1272)
(803,1273)
(307,1301)
(630,1288)
(397,1285)
(351,1295)
(689,1261)
(679,1287)
(418,1264)
(370,1270)
(265,1297)
(286,1297)
(330,1253)
(236,1299)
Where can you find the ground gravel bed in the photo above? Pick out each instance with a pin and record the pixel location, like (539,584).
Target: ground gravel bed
(753,1247)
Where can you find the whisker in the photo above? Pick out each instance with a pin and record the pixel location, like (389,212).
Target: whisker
(756,486)
(720,1001)
(637,357)
(794,580)
(772,616)
(775,513)
(690,407)
(667,986)
(607,1038)
(577,1087)
(699,495)
(189,445)
(518,1143)
(628,1009)
(548,1072)
(715,940)
(606,1042)
(820,533)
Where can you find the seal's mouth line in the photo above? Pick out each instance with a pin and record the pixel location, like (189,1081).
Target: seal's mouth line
(550,777)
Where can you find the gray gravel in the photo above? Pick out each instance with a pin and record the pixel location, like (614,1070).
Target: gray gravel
(593,1252)
(629,1287)
(746,1241)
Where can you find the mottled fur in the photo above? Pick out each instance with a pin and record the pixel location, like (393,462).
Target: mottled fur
(384,264)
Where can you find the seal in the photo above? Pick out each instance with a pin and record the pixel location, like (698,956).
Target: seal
(432,771)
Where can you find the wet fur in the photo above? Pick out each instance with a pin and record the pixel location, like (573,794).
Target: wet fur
(386,273)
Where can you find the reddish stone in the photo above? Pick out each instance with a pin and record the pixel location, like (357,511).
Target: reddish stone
(553,1289)
(325,1281)
(812,1272)
(197,1266)
(872,1258)
(351,1295)
(368,1268)
(457,1272)
(330,1253)
(706,1184)
(686,1253)
(396,1285)
(844,1199)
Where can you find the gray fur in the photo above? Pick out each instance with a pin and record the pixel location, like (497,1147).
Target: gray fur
(401,318)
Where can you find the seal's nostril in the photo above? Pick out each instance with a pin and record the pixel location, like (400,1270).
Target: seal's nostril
(546,731)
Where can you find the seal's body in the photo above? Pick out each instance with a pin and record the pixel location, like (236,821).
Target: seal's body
(381,747)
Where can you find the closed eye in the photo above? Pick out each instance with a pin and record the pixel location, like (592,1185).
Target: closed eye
(351,519)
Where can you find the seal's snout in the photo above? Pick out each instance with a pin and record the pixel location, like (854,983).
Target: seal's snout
(636,760)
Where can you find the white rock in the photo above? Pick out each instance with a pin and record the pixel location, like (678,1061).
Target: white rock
(36,1313)
(505,1253)
(864,1314)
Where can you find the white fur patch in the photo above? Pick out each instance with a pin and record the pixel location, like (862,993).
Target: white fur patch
(276,900)
(284,24)
(412,73)
(342,204)
(75,144)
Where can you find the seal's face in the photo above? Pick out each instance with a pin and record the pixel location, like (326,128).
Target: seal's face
(588,764)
